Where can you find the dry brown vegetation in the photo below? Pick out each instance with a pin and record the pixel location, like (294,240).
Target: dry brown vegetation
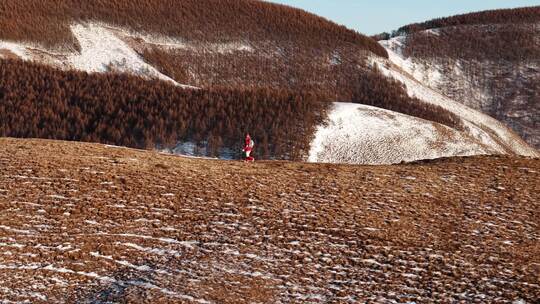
(85,223)
(329,72)
(342,81)
(41,102)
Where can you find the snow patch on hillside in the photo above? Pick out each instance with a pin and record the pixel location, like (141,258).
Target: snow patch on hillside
(360,134)
(428,75)
(173,44)
(437,76)
(15,48)
(177,43)
(102,51)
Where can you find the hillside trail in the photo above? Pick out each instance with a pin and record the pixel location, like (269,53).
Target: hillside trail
(91,223)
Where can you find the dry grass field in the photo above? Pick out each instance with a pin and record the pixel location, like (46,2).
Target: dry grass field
(90,223)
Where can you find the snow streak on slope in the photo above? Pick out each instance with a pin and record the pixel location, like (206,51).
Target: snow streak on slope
(363,134)
(101,51)
(141,41)
(13,48)
(488,130)
(432,76)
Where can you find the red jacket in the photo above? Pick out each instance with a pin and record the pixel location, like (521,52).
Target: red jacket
(249,144)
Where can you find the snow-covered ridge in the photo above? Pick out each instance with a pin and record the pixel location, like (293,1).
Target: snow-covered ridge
(367,135)
(361,134)
(430,76)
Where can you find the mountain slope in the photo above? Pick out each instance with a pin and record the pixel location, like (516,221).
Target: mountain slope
(485,129)
(99,224)
(213,21)
(246,43)
(38,101)
(523,15)
(489,61)
(270,59)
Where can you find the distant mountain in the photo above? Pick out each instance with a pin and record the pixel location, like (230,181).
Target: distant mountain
(488,60)
(193,77)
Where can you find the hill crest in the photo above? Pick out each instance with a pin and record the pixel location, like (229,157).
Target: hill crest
(500,16)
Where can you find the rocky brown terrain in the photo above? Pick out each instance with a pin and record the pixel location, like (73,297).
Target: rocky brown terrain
(90,223)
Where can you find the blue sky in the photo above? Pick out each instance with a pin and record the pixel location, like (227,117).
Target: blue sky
(372,17)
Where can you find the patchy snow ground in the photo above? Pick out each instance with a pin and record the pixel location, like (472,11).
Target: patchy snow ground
(361,134)
(487,130)
(455,230)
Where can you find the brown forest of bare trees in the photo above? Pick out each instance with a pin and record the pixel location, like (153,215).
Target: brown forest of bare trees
(41,102)
(330,74)
(279,91)
(509,42)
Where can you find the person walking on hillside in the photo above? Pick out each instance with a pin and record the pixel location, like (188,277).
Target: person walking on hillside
(248,149)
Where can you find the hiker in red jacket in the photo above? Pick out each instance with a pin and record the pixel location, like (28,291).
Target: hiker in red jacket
(248,148)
